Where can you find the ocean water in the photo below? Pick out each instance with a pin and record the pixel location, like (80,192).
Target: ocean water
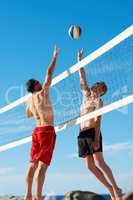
(106,197)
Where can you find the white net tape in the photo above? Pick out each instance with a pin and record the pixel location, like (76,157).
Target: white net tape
(77,120)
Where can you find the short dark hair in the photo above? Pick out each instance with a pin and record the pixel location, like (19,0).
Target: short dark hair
(30,85)
(101,83)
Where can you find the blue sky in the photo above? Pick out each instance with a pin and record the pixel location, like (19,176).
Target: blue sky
(29,30)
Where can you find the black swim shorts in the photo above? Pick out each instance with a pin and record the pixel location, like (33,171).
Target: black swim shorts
(85,141)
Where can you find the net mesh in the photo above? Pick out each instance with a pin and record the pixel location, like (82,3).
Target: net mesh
(114,67)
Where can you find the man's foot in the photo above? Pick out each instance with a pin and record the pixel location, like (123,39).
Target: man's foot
(38,198)
(28,198)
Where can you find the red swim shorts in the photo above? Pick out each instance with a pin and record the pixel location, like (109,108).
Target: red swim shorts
(43,143)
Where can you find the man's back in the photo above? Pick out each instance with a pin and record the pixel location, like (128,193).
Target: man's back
(41,108)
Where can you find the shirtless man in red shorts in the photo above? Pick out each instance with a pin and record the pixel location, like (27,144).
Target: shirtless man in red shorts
(90,137)
(43,137)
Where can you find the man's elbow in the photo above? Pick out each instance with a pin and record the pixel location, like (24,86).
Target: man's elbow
(49,73)
(83,86)
(48,83)
(49,77)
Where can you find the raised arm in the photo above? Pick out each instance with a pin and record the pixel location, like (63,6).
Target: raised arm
(50,70)
(83,83)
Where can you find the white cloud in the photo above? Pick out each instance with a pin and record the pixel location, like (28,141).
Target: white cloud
(62,183)
(12,184)
(14,124)
(6,170)
(112,148)
(73,155)
(59,182)
(126,146)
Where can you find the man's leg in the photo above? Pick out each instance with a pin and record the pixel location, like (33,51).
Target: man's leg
(99,175)
(41,171)
(98,157)
(29,179)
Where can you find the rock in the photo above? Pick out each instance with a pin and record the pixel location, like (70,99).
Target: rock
(128,196)
(7,197)
(82,195)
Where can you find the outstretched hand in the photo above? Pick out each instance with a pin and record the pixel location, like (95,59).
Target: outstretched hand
(56,52)
(80,54)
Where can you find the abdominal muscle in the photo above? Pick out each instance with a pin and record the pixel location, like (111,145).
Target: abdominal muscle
(85,109)
(87,124)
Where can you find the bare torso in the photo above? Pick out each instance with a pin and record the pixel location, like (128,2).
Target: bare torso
(89,104)
(41,108)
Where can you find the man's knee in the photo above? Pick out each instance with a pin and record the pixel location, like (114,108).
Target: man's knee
(42,167)
(90,166)
(34,165)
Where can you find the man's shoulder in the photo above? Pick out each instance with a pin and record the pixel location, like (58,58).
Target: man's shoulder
(29,100)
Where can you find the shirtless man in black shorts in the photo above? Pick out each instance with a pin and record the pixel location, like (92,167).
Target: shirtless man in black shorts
(90,138)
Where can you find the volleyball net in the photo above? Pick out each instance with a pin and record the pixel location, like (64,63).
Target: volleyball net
(111,63)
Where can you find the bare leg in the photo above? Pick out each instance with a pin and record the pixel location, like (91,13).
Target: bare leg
(99,175)
(29,179)
(41,171)
(98,157)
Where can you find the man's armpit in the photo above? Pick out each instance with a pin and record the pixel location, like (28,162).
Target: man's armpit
(28,112)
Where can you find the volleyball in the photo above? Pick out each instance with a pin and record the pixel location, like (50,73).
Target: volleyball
(74,32)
